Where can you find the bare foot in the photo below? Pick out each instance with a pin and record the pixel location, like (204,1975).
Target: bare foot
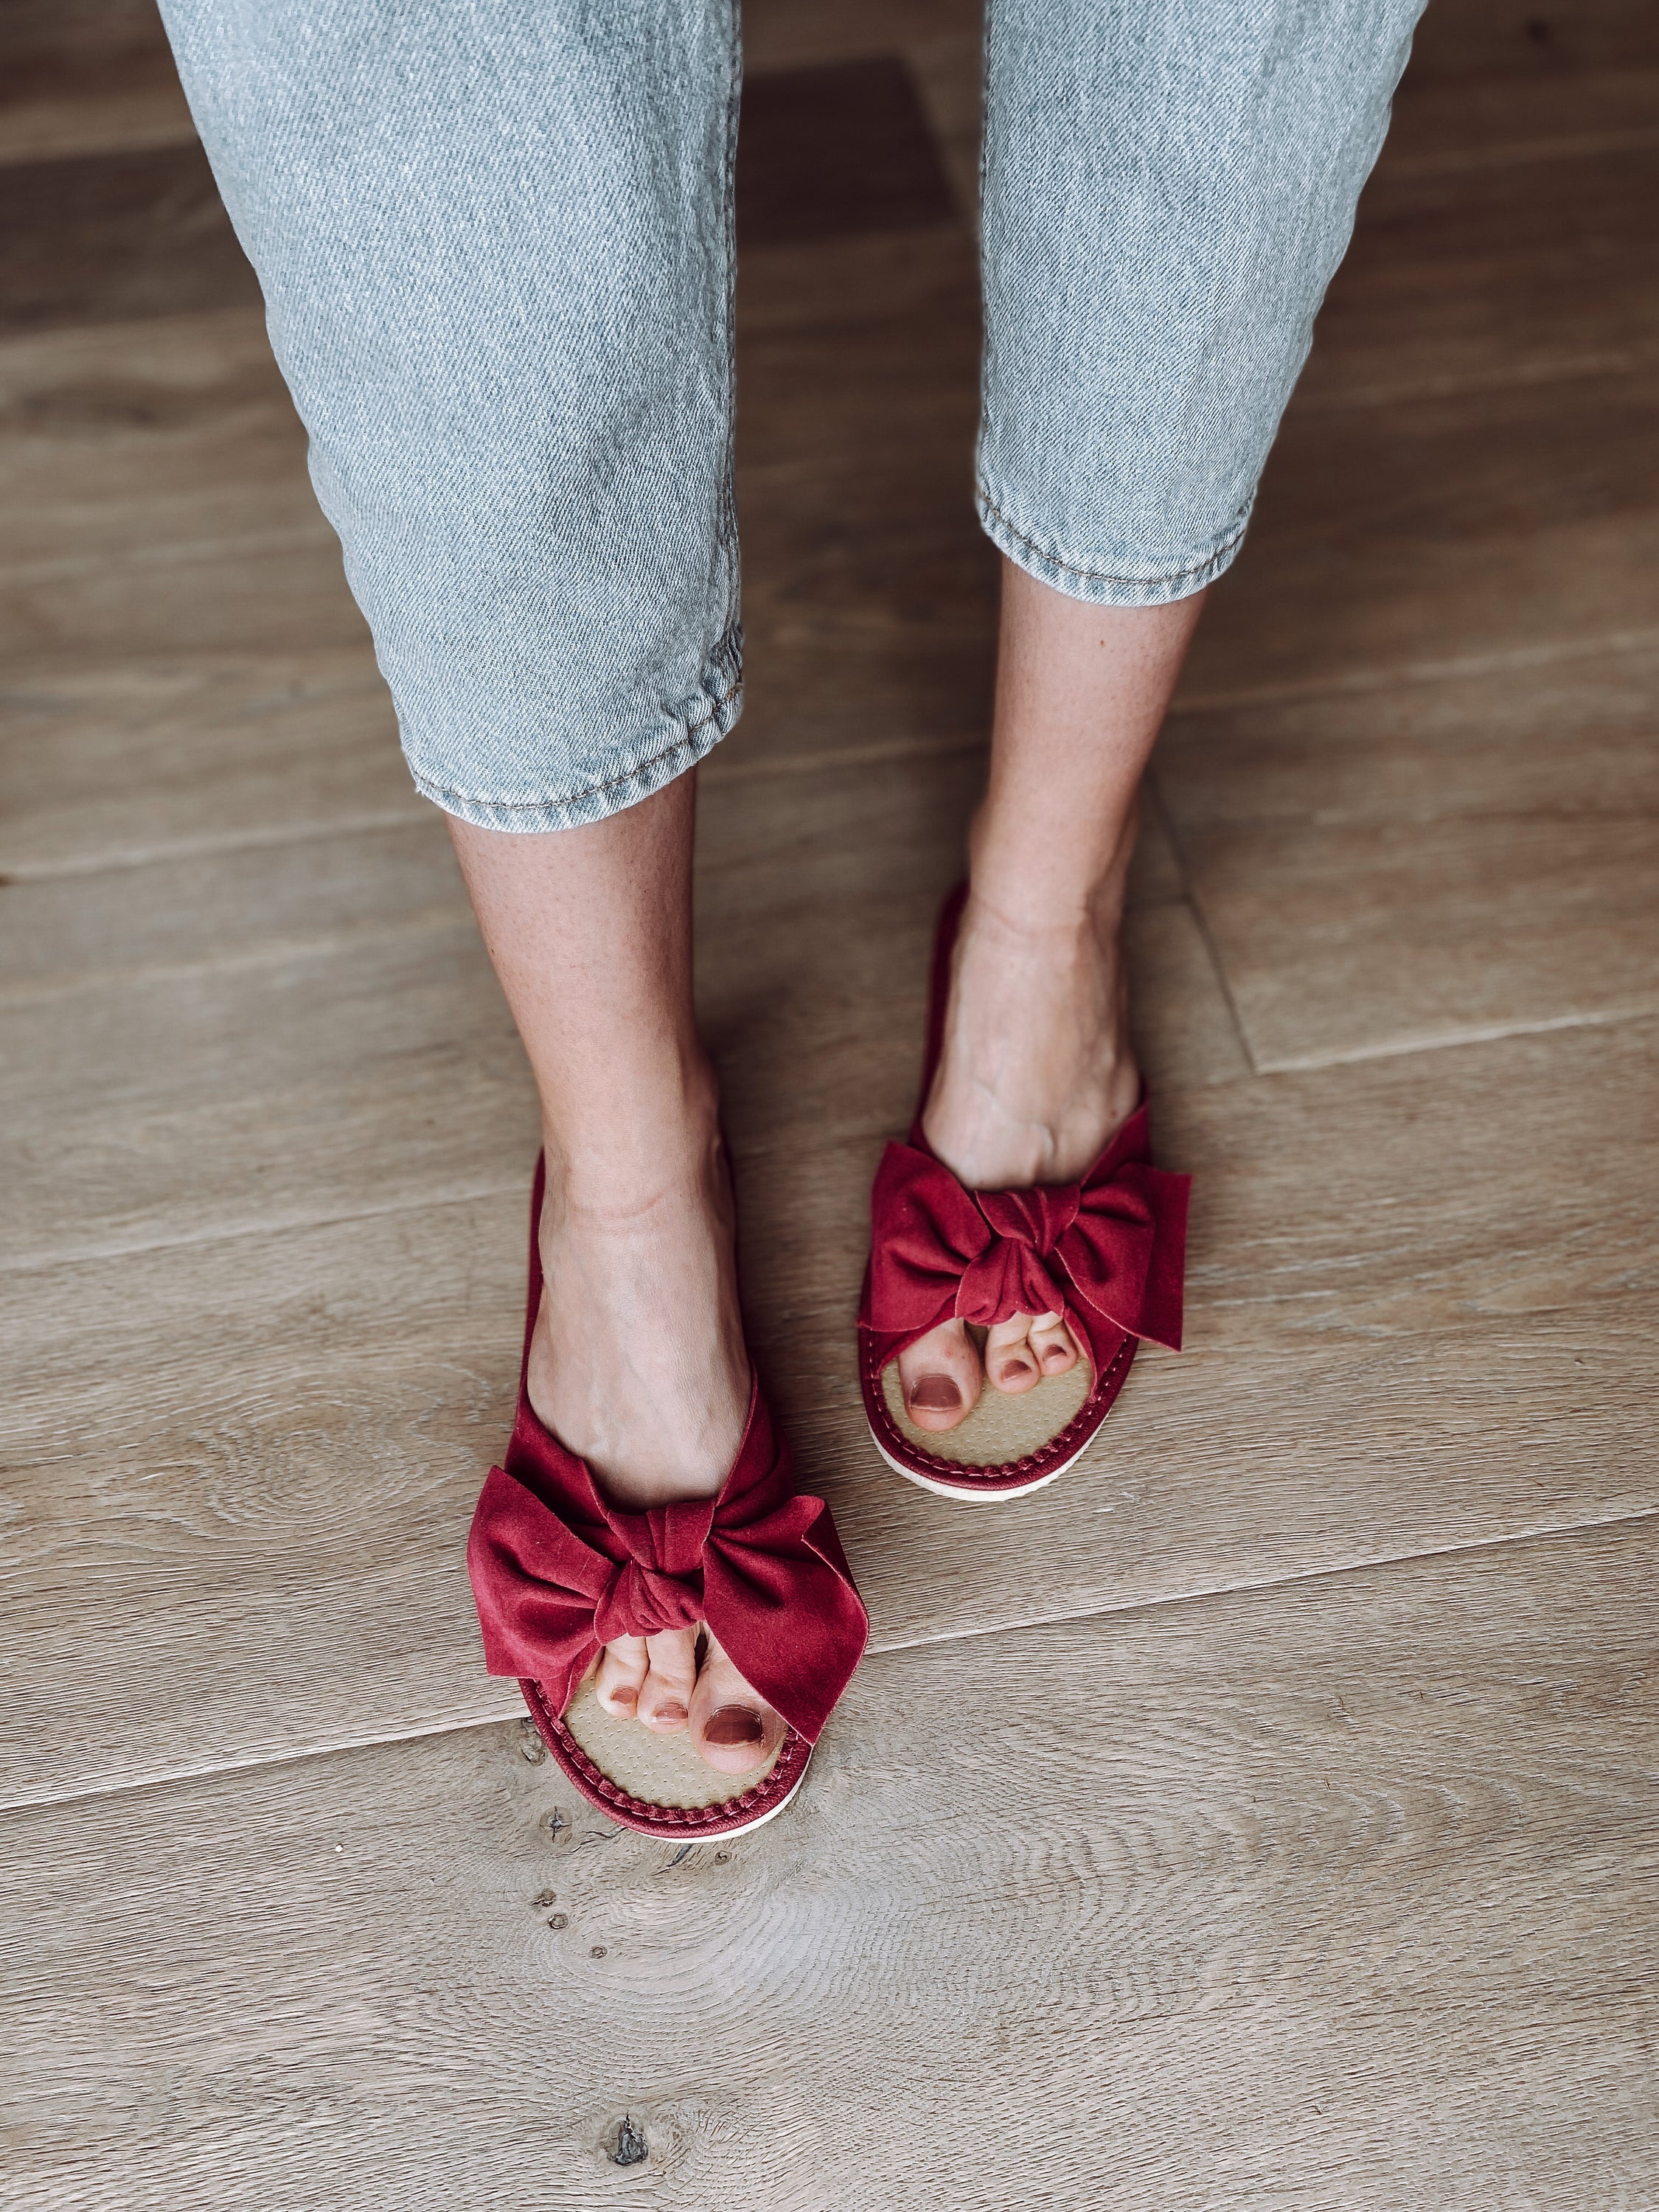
(637,1364)
(1036,1074)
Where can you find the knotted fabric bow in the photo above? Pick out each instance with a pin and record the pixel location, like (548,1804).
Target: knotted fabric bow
(557,1572)
(1109,1249)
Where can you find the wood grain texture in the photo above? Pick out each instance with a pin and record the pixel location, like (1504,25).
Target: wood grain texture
(1301,1899)
(1403,1336)
(1487,523)
(1476,266)
(108,238)
(1463,42)
(121,109)
(146,438)
(1389,871)
(134,762)
(1298,1889)
(86,76)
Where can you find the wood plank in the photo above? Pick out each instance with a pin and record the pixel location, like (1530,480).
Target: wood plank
(799,34)
(252,591)
(80,77)
(1572,736)
(1492,524)
(146,437)
(134,761)
(119,110)
(1458,40)
(1401,1337)
(949,69)
(1314,1898)
(1469,119)
(108,238)
(1386,871)
(1518,271)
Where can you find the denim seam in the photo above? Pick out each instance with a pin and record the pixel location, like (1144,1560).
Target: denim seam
(1107,575)
(588,790)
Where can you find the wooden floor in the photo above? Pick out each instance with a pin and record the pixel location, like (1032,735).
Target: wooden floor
(1264,1816)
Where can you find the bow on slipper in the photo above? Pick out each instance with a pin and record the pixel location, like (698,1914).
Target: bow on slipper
(558,1572)
(1108,1249)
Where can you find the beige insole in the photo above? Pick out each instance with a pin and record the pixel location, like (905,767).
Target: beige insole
(661,1770)
(1000,1428)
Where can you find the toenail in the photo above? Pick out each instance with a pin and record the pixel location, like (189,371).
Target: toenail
(733,1724)
(936,1394)
(1013,1371)
(623,1701)
(673,1711)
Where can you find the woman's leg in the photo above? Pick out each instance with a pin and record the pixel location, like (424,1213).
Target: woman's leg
(1037,1068)
(637,1363)
(496,244)
(1167,190)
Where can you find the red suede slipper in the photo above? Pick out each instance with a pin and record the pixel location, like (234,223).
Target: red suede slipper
(1108,1252)
(557,1572)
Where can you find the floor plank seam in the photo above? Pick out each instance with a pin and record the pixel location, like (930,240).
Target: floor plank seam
(170,552)
(1488,1033)
(34,1263)
(271,953)
(1569,368)
(1199,1595)
(1559,651)
(1517,153)
(207,848)
(1154,786)
(1143,1605)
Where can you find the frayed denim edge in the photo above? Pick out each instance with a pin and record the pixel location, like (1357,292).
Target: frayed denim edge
(600,800)
(1096,587)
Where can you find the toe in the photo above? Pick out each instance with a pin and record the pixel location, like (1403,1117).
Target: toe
(940,1375)
(621,1676)
(1053,1347)
(732,1727)
(665,1695)
(1010,1362)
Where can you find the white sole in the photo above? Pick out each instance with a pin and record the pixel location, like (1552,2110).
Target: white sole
(960,1489)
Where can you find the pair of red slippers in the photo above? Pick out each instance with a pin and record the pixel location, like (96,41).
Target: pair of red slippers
(558,1571)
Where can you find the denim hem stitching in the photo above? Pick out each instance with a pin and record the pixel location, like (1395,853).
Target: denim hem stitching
(589,790)
(1107,575)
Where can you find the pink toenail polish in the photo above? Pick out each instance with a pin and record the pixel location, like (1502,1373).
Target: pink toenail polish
(733,1724)
(1013,1371)
(936,1394)
(673,1711)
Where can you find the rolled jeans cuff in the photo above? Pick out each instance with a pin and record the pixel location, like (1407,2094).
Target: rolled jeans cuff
(652,758)
(1109,578)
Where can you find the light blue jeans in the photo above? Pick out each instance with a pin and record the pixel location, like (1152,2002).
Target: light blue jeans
(495,242)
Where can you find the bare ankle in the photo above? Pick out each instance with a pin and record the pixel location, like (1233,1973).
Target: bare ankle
(1019,889)
(1038,1069)
(605,1169)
